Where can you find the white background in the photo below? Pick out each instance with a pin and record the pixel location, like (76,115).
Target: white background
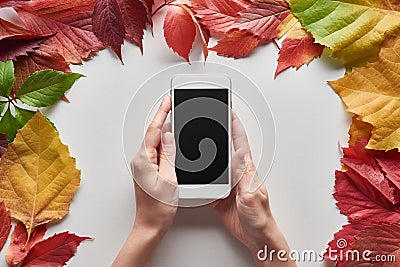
(310,121)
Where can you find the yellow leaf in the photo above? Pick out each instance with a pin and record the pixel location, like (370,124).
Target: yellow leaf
(373,93)
(359,129)
(38,177)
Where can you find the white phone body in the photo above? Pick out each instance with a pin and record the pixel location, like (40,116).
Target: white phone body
(195,82)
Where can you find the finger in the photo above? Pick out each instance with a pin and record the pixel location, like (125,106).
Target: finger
(243,171)
(153,134)
(167,127)
(167,158)
(239,135)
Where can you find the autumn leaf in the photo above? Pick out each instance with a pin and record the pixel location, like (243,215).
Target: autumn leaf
(353,30)
(383,241)
(3,144)
(135,17)
(5,224)
(236,44)
(6,78)
(358,130)
(372,93)
(38,177)
(298,49)
(10,3)
(19,239)
(55,251)
(218,15)
(263,18)
(71,20)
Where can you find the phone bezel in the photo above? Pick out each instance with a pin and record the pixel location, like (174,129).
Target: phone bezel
(204,81)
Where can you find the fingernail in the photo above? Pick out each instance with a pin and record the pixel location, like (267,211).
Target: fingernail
(167,138)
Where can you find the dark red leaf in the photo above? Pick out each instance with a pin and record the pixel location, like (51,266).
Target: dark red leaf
(236,44)
(5,224)
(55,251)
(10,3)
(3,143)
(14,254)
(179,30)
(148,4)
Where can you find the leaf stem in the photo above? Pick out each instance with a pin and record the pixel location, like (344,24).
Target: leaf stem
(160,7)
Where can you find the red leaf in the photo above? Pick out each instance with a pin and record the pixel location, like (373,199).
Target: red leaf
(298,48)
(179,30)
(148,5)
(135,17)
(218,15)
(5,224)
(3,143)
(263,18)
(71,20)
(54,251)
(14,254)
(108,24)
(10,3)
(236,44)
(383,241)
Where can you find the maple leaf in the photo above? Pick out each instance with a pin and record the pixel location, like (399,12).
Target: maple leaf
(19,239)
(298,49)
(55,251)
(358,130)
(5,224)
(71,20)
(38,177)
(11,3)
(236,44)
(354,29)
(3,144)
(383,241)
(263,18)
(372,93)
(218,15)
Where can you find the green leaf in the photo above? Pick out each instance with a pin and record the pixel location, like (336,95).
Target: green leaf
(44,88)
(9,125)
(2,105)
(352,29)
(6,77)
(23,116)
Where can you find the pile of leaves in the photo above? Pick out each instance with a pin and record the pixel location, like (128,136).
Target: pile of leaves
(35,73)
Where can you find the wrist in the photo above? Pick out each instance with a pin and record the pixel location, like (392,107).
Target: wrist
(150,234)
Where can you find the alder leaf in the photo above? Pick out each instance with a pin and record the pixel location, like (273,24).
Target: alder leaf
(19,239)
(298,49)
(358,130)
(218,15)
(372,93)
(44,88)
(5,224)
(6,78)
(383,241)
(179,30)
(38,177)
(353,29)
(263,18)
(236,44)
(71,20)
(3,144)
(55,251)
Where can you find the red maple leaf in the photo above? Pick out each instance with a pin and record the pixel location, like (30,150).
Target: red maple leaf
(15,254)
(3,143)
(236,44)
(55,251)
(218,15)
(5,224)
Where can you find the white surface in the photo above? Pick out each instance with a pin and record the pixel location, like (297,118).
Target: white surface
(310,121)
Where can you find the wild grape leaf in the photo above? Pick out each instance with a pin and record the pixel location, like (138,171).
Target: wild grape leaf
(9,125)
(135,17)
(358,130)
(298,49)
(263,18)
(236,44)
(19,239)
(148,5)
(179,30)
(218,15)
(6,78)
(372,94)
(383,241)
(38,177)
(3,144)
(10,3)
(71,20)
(55,251)
(353,29)
(5,224)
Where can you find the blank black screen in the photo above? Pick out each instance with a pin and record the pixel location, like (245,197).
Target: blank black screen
(201,134)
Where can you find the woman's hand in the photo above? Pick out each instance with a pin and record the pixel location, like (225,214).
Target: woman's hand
(246,212)
(156,192)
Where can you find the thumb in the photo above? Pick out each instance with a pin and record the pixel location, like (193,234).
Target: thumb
(167,158)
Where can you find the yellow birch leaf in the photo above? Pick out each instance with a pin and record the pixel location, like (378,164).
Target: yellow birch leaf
(358,130)
(38,177)
(373,93)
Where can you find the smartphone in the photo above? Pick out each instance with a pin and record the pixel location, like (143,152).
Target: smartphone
(201,124)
